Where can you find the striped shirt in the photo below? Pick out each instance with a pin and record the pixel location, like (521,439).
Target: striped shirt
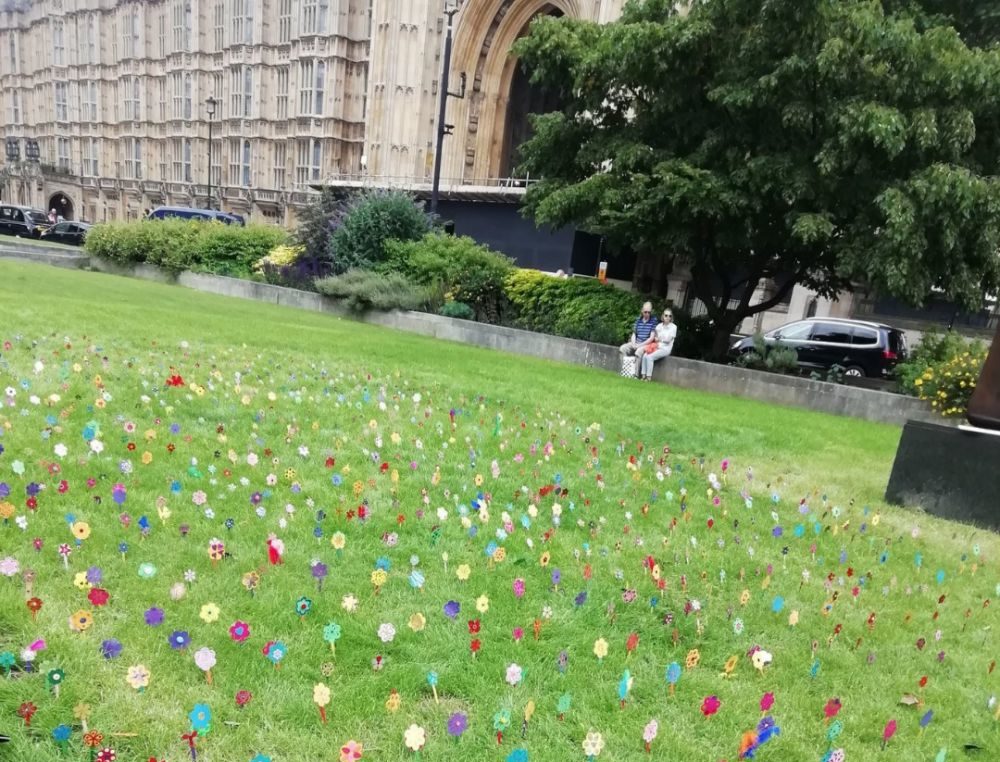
(643,328)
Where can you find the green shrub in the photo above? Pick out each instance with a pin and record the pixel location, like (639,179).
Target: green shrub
(578,308)
(934,348)
(949,384)
(774,358)
(364,290)
(459,310)
(234,250)
(460,268)
(372,219)
(185,244)
(316,223)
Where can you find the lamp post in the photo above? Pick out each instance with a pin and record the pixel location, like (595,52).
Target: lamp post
(210,109)
(451,8)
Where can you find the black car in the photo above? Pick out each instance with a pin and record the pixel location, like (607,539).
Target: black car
(22,221)
(859,347)
(72,233)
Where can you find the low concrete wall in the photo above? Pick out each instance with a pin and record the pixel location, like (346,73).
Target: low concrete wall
(837,399)
(48,255)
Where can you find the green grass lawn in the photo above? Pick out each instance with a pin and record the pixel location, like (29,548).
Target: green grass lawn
(294,424)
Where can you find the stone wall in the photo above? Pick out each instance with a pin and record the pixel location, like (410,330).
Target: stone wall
(837,399)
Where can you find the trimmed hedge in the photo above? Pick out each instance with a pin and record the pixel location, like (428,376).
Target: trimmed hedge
(577,308)
(459,268)
(185,244)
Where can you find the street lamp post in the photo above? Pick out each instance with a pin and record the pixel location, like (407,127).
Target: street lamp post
(210,109)
(451,8)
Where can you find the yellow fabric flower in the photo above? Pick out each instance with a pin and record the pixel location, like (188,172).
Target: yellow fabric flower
(379,577)
(81,621)
(338,540)
(209,613)
(321,694)
(545,558)
(394,701)
(138,676)
(417,622)
(147,458)
(600,648)
(462,572)
(80,530)
(80,580)
(482,604)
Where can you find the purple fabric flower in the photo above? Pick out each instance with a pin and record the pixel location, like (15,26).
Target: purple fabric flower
(4,489)
(111,648)
(95,575)
(32,489)
(451,609)
(556,576)
(319,570)
(457,724)
(179,639)
(154,616)
(581,598)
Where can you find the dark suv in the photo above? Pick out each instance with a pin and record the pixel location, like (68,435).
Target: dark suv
(859,347)
(22,221)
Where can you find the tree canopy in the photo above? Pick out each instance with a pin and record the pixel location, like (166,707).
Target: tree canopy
(824,142)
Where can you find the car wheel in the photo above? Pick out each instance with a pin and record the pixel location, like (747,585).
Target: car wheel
(854,370)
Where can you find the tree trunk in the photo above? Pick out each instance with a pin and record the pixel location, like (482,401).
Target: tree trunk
(722,336)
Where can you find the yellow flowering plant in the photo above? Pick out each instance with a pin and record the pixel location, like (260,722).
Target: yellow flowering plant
(949,385)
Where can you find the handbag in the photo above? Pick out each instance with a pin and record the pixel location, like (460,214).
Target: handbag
(628,366)
(651,347)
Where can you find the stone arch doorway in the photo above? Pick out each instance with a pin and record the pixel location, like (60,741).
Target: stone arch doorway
(62,204)
(494,115)
(524,98)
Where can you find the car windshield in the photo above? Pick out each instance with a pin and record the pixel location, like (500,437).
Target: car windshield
(36,216)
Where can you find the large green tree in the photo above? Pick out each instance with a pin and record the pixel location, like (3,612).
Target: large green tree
(824,142)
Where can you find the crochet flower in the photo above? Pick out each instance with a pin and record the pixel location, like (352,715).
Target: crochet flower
(593,744)
(414,738)
(138,676)
(350,751)
(239,631)
(514,674)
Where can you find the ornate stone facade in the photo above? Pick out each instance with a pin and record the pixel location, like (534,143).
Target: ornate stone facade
(309,91)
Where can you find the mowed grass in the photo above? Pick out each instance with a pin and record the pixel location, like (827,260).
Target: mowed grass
(282,409)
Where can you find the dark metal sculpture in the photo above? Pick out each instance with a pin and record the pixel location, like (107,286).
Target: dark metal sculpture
(984,407)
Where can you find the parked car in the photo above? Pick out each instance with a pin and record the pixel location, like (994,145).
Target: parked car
(859,347)
(72,233)
(191,213)
(22,221)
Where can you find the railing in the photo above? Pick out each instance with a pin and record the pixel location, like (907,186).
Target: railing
(512,183)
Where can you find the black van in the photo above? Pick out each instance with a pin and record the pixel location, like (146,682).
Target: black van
(22,221)
(859,347)
(191,213)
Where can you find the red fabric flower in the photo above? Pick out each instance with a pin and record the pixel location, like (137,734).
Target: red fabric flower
(475,645)
(473,626)
(175,380)
(98,596)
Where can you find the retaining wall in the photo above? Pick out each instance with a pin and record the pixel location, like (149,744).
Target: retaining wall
(837,399)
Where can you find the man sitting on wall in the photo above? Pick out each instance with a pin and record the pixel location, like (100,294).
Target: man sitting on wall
(641,331)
